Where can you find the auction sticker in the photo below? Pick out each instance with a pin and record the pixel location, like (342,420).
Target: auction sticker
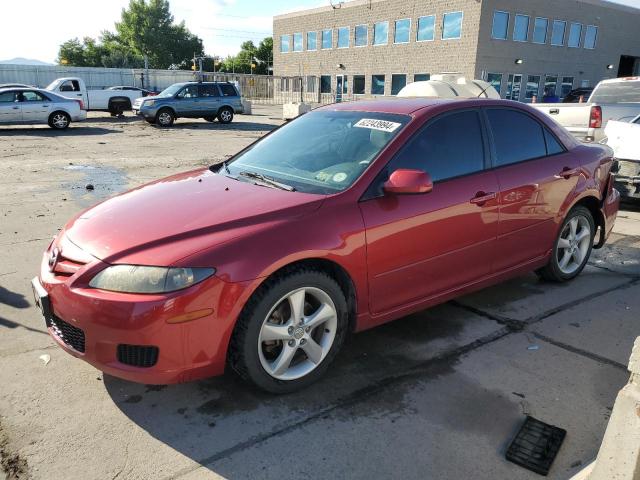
(381,125)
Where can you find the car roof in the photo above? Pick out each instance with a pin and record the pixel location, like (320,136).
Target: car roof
(408,106)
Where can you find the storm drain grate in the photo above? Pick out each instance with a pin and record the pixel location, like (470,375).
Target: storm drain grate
(536,446)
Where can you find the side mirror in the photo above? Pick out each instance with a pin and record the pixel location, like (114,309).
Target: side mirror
(405,181)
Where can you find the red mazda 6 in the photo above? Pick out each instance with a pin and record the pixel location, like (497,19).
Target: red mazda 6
(348,217)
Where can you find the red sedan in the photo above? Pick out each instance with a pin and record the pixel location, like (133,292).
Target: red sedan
(350,216)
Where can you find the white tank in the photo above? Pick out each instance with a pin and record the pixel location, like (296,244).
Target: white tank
(449,85)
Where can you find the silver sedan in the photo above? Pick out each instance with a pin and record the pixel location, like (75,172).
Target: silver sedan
(19,106)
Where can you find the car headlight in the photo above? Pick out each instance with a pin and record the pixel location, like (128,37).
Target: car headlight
(141,279)
(149,103)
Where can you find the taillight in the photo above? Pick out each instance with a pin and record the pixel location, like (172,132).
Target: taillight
(595,121)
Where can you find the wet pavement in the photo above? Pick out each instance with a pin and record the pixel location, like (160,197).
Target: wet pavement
(438,394)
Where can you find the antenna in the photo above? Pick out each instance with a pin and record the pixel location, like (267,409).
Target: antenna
(335,4)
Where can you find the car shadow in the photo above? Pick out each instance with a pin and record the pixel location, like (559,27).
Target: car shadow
(206,419)
(74,130)
(236,125)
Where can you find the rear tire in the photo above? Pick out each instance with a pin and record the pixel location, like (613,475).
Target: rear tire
(165,117)
(572,248)
(117,106)
(290,331)
(59,120)
(225,115)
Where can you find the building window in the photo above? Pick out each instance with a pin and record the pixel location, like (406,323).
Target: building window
(421,77)
(358,84)
(398,82)
(557,35)
(514,84)
(312,40)
(566,86)
(343,37)
(327,39)
(311,84)
(533,87)
(550,87)
(575,32)
(540,28)
(521,28)
(500,25)
(325,84)
(381,33)
(495,79)
(377,85)
(284,43)
(591,37)
(362,36)
(426,28)
(297,42)
(452,26)
(403,31)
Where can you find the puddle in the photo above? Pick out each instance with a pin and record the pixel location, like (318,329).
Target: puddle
(106,181)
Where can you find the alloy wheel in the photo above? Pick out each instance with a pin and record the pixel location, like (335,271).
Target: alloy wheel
(60,121)
(226,116)
(164,118)
(297,334)
(573,244)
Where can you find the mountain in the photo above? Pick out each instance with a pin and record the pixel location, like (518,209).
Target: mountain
(24,61)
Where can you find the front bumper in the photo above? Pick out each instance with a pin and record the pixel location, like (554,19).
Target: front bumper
(146,112)
(98,326)
(627,178)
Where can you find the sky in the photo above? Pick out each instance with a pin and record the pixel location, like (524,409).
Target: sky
(222,24)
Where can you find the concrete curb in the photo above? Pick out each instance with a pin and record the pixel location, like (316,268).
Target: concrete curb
(619,455)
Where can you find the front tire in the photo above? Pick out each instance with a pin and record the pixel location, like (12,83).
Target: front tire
(225,115)
(290,331)
(165,117)
(59,120)
(572,248)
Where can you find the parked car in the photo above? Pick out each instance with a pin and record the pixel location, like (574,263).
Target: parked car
(345,218)
(624,139)
(143,91)
(19,106)
(113,101)
(617,99)
(208,100)
(578,95)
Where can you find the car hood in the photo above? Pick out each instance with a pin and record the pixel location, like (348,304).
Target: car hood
(167,220)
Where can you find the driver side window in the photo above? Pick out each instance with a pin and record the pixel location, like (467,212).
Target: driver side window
(449,147)
(8,97)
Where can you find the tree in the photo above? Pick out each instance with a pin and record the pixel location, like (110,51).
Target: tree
(148,28)
(261,57)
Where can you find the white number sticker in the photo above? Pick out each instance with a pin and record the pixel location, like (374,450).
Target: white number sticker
(382,125)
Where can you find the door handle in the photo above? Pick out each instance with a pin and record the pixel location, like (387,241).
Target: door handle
(568,172)
(554,111)
(16,108)
(481,198)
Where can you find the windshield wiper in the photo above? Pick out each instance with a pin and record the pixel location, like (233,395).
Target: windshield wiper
(267,181)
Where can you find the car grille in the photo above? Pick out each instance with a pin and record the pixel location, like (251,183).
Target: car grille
(628,169)
(71,336)
(65,267)
(138,355)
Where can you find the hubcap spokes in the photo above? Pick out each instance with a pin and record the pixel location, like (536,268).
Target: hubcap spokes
(573,245)
(297,334)
(60,121)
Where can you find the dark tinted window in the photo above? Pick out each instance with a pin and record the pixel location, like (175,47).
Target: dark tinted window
(517,136)
(449,147)
(553,146)
(228,90)
(209,91)
(8,97)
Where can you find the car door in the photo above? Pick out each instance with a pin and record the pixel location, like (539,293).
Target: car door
(209,100)
(535,174)
(35,106)
(187,102)
(10,109)
(422,246)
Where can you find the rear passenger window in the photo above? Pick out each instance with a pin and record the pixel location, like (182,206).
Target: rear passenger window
(209,91)
(228,90)
(553,146)
(449,147)
(517,136)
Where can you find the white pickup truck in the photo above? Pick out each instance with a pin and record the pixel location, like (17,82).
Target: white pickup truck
(113,101)
(617,99)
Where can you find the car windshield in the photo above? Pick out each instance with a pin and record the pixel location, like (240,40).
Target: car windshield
(320,152)
(171,91)
(619,92)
